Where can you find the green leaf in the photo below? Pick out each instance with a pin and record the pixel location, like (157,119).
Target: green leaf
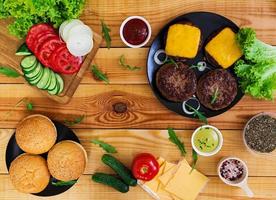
(195,158)
(174,139)
(107,147)
(105,32)
(99,74)
(198,114)
(76,121)
(215,95)
(30,106)
(9,72)
(122,62)
(171,61)
(64,183)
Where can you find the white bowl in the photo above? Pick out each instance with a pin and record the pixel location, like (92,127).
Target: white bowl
(208,153)
(122,28)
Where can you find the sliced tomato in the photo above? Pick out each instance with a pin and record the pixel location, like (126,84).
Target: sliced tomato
(34,31)
(41,38)
(66,63)
(53,58)
(46,49)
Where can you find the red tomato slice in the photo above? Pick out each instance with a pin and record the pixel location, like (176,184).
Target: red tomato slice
(34,31)
(66,63)
(41,38)
(46,49)
(53,57)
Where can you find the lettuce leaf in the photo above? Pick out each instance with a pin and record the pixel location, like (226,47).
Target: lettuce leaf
(29,12)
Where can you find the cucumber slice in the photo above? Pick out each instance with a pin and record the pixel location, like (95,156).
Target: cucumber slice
(28,62)
(35,72)
(30,69)
(44,79)
(55,90)
(37,79)
(23,50)
(49,82)
(61,83)
(53,82)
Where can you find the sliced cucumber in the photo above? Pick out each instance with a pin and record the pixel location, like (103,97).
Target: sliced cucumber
(60,82)
(49,81)
(55,90)
(53,82)
(35,72)
(36,79)
(23,51)
(28,62)
(30,69)
(43,81)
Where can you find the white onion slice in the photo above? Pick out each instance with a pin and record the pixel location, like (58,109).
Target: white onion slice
(68,26)
(186,110)
(80,30)
(156,57)
(80,45)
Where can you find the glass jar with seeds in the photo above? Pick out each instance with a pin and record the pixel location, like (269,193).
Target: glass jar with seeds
(259,134)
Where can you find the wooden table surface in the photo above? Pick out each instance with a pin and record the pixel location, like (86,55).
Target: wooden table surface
(143,127)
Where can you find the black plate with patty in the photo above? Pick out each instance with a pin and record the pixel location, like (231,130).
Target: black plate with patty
(13,150)
(209,23)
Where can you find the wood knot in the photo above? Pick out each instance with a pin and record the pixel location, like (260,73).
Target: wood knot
(119,107)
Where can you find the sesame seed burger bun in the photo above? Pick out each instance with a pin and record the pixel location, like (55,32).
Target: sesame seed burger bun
(29,173)
(67,160)
(36,134)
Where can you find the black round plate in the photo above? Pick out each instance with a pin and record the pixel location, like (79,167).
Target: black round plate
(13,150)
(209,23)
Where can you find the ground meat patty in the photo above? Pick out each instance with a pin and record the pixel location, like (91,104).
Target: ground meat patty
(176,83)
(217,81)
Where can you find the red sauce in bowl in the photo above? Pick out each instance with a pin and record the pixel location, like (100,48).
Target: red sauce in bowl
(135,31)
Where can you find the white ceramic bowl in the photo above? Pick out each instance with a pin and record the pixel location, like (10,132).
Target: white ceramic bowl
(256,153)
(208,153)
(122,28)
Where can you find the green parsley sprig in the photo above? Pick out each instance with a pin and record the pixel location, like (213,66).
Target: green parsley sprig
(174,139)
(122,62)
(99,74)
(198,114)
(75,121)
(106,33)
(107,147)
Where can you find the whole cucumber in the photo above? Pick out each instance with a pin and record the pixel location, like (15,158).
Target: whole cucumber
(111,181)
(120,169)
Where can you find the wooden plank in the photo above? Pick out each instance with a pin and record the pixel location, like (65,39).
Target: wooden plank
(97,101)
(131,142)
(110,66)
(258,14)
(264,189)
(255,13)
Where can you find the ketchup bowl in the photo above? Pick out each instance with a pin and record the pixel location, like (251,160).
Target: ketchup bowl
(135,31)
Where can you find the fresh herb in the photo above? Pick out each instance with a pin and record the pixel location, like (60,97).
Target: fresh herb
(99,74)
(198,114)
(25,14)
(122,62)
(215,95)
(174,139)
(201,66)
(76,121)
(195,158)
(105,32)
(107,147)
(9,72)
(25,101)
(64,183)
(171,61)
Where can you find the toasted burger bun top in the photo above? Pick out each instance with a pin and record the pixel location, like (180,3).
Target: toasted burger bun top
(67,160)
(36,134)
(29,173)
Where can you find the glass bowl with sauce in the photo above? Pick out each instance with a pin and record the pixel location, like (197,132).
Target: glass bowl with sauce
(207,140)
(135,31)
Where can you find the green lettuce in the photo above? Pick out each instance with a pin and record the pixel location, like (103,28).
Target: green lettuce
(257,72)
(29,12)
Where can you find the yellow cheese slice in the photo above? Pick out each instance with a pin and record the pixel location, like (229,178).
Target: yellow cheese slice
(224,48)
(185,185)
(183,40)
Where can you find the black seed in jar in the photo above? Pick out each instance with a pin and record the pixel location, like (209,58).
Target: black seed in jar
(232,170)
(260,134)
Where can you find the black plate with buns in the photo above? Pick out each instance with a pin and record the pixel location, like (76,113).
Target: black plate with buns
(176,88)
(14,152)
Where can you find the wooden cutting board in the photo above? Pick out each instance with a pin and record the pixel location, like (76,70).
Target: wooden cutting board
(9,45)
